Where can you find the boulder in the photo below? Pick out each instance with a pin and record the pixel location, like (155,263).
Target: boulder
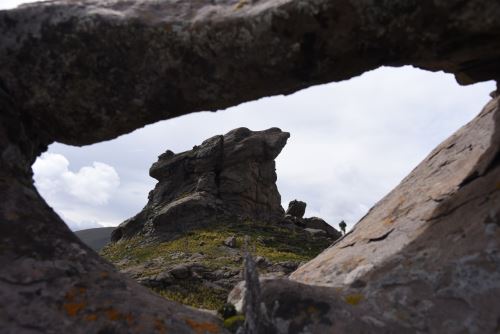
(226,176)
(296,209)
(314,232)
(230,242)
(180,271)
(318,223)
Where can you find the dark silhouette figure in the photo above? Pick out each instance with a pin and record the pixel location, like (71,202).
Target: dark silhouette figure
(342,226)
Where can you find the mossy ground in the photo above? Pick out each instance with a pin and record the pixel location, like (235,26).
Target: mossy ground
(275,243)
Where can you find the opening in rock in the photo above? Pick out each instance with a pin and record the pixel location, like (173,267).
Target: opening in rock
(350,143)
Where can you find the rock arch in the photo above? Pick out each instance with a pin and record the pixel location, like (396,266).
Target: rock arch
(82,72)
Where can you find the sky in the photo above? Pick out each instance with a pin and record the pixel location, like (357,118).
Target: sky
(351,143)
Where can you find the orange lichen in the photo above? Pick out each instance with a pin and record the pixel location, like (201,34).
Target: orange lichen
(72,309)
(104,274)
(112,314)
(159,326)
(91,317)
(354,299)
(498,185)
(388,221)
(202,327)
(130,319)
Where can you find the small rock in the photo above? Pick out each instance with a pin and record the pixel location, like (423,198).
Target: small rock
(261,261)
(315,232)
(296,208)
(320,224)
(230,242)
(180,271)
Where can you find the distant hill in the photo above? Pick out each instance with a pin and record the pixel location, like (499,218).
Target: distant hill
(95,238)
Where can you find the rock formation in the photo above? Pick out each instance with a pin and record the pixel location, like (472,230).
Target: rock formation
(82,72)
(424,259)
(296,209)
(226,176)
(189,236)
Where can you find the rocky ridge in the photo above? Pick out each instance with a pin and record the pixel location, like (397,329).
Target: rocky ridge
(187,242)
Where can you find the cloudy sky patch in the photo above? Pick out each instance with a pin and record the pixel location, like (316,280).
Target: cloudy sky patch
(351,143)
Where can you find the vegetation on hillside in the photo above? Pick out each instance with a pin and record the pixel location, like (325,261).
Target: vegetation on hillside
(275,243)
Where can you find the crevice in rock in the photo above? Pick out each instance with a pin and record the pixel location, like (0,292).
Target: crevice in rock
(348,245)
(382,237)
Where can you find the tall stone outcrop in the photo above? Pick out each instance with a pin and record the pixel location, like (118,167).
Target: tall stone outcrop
(226,176)
(86,71)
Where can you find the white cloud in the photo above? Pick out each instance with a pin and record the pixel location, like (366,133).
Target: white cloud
(351,142)
(76,196)
(9,4)
(93,185)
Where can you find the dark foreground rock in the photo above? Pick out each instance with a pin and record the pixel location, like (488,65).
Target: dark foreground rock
(82,72)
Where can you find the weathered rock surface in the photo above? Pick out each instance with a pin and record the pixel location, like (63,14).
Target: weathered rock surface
(424,259)
(86,71)
(296,209)
(319,224)
(226,176)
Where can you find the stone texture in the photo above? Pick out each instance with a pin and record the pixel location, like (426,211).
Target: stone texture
(230,242)
(226,176)
(62,61)
(296,208)
(319,224)
(82,72)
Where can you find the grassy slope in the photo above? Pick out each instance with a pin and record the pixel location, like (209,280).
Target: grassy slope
(275,243)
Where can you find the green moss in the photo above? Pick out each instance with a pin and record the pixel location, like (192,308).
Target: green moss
(275,243)
(234,322)
(194,293)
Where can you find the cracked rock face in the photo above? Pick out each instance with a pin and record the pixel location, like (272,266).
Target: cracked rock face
(80,72)
(425,258)
(226,176)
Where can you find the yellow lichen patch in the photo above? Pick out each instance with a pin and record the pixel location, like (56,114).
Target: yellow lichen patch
(352,263)
(202,327)
(498,185)
(354,299)
(112,314)
(311,309)
(388,221)
(240,4)
(91,317)
(72,309)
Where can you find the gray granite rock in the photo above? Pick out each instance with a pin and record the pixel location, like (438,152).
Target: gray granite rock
(296,208)
(226,176)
